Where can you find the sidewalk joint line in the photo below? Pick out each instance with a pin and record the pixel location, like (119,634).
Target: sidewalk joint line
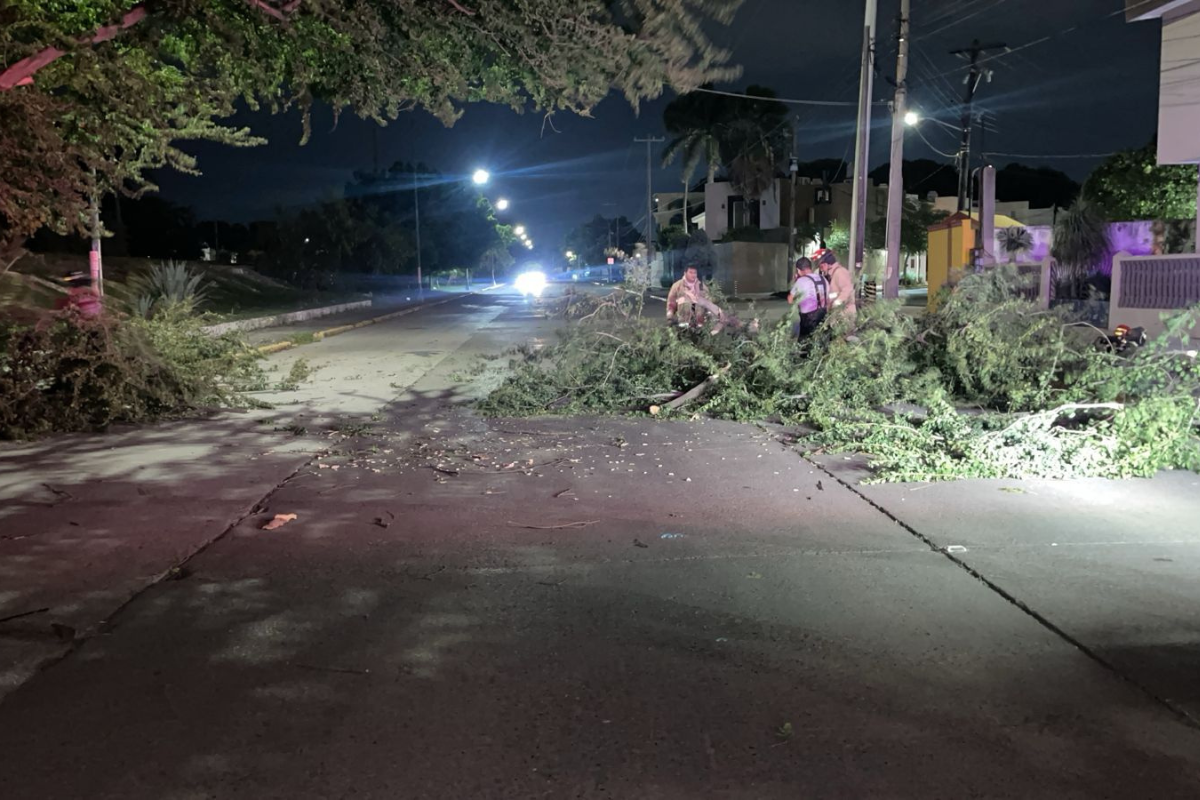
(1182,714)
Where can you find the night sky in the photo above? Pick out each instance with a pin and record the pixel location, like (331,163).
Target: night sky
(1092,90)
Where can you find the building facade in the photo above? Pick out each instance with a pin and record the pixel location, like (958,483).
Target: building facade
(1179,82)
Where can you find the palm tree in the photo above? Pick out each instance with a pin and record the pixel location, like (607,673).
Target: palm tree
(1015,241)
(748,135)
(755,140)
(1080,244)
(695,122)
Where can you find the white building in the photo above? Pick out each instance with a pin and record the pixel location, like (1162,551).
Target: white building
(1179,84)
(724,210)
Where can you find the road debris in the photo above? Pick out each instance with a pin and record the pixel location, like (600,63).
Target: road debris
(279,521)
(342,670)
(572,525)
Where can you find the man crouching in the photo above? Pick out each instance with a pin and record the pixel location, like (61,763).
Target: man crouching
(688,302)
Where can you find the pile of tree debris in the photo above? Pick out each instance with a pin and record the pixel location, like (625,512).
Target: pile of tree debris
(989,385)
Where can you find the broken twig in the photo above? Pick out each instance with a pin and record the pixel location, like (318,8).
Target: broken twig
(342,670)
(582,524)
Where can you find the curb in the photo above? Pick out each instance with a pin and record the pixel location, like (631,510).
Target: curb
(285,318)
(287,344)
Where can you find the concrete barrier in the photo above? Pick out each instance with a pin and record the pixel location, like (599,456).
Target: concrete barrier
(288,318)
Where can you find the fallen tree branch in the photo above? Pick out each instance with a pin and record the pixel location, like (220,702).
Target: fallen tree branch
(1051,416)
(572,525)
(697,391)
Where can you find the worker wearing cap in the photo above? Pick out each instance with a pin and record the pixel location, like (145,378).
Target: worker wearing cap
(841,285)
(81,298)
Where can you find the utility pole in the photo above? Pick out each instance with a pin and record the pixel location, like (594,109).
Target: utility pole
(862,148)
(895,207)
(417,216)
(650,142)
(793,169)
(95,264)
(973,53)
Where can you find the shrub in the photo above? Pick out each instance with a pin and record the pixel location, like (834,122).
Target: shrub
(71,374)
(169,283)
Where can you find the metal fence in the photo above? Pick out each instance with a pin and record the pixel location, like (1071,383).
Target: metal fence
(1162,282)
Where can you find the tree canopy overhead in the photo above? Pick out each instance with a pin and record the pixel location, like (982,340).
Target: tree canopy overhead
(95,92)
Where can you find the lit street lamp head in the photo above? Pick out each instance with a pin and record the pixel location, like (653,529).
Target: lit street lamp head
(911,118)
(480,177)
(502,204)
(519,230)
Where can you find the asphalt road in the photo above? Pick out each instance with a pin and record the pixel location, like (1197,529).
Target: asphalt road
(589,608)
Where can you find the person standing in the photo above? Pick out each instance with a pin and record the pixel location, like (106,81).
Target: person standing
(841,285)
(811,292)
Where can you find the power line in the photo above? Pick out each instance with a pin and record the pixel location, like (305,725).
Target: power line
(1051,157)
(929,144)
(1052,36)
(829,103)
(961,19)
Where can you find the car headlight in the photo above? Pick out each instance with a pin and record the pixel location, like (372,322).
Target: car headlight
(531,283)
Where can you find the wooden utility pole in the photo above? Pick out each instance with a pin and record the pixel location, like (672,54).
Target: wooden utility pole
(95,261)
(973,53)
(793,170)
(895,208)
(650,142)
(417,228)
(862,148)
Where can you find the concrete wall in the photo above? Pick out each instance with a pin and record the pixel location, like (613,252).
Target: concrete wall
(751,268)
(1135,238)
(1146,287)
(1179,92)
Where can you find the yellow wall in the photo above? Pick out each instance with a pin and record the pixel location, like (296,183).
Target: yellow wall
(949,250)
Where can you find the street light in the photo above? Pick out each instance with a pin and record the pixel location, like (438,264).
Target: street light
(913,119)
(519,230)
(479,178)
(502,204)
